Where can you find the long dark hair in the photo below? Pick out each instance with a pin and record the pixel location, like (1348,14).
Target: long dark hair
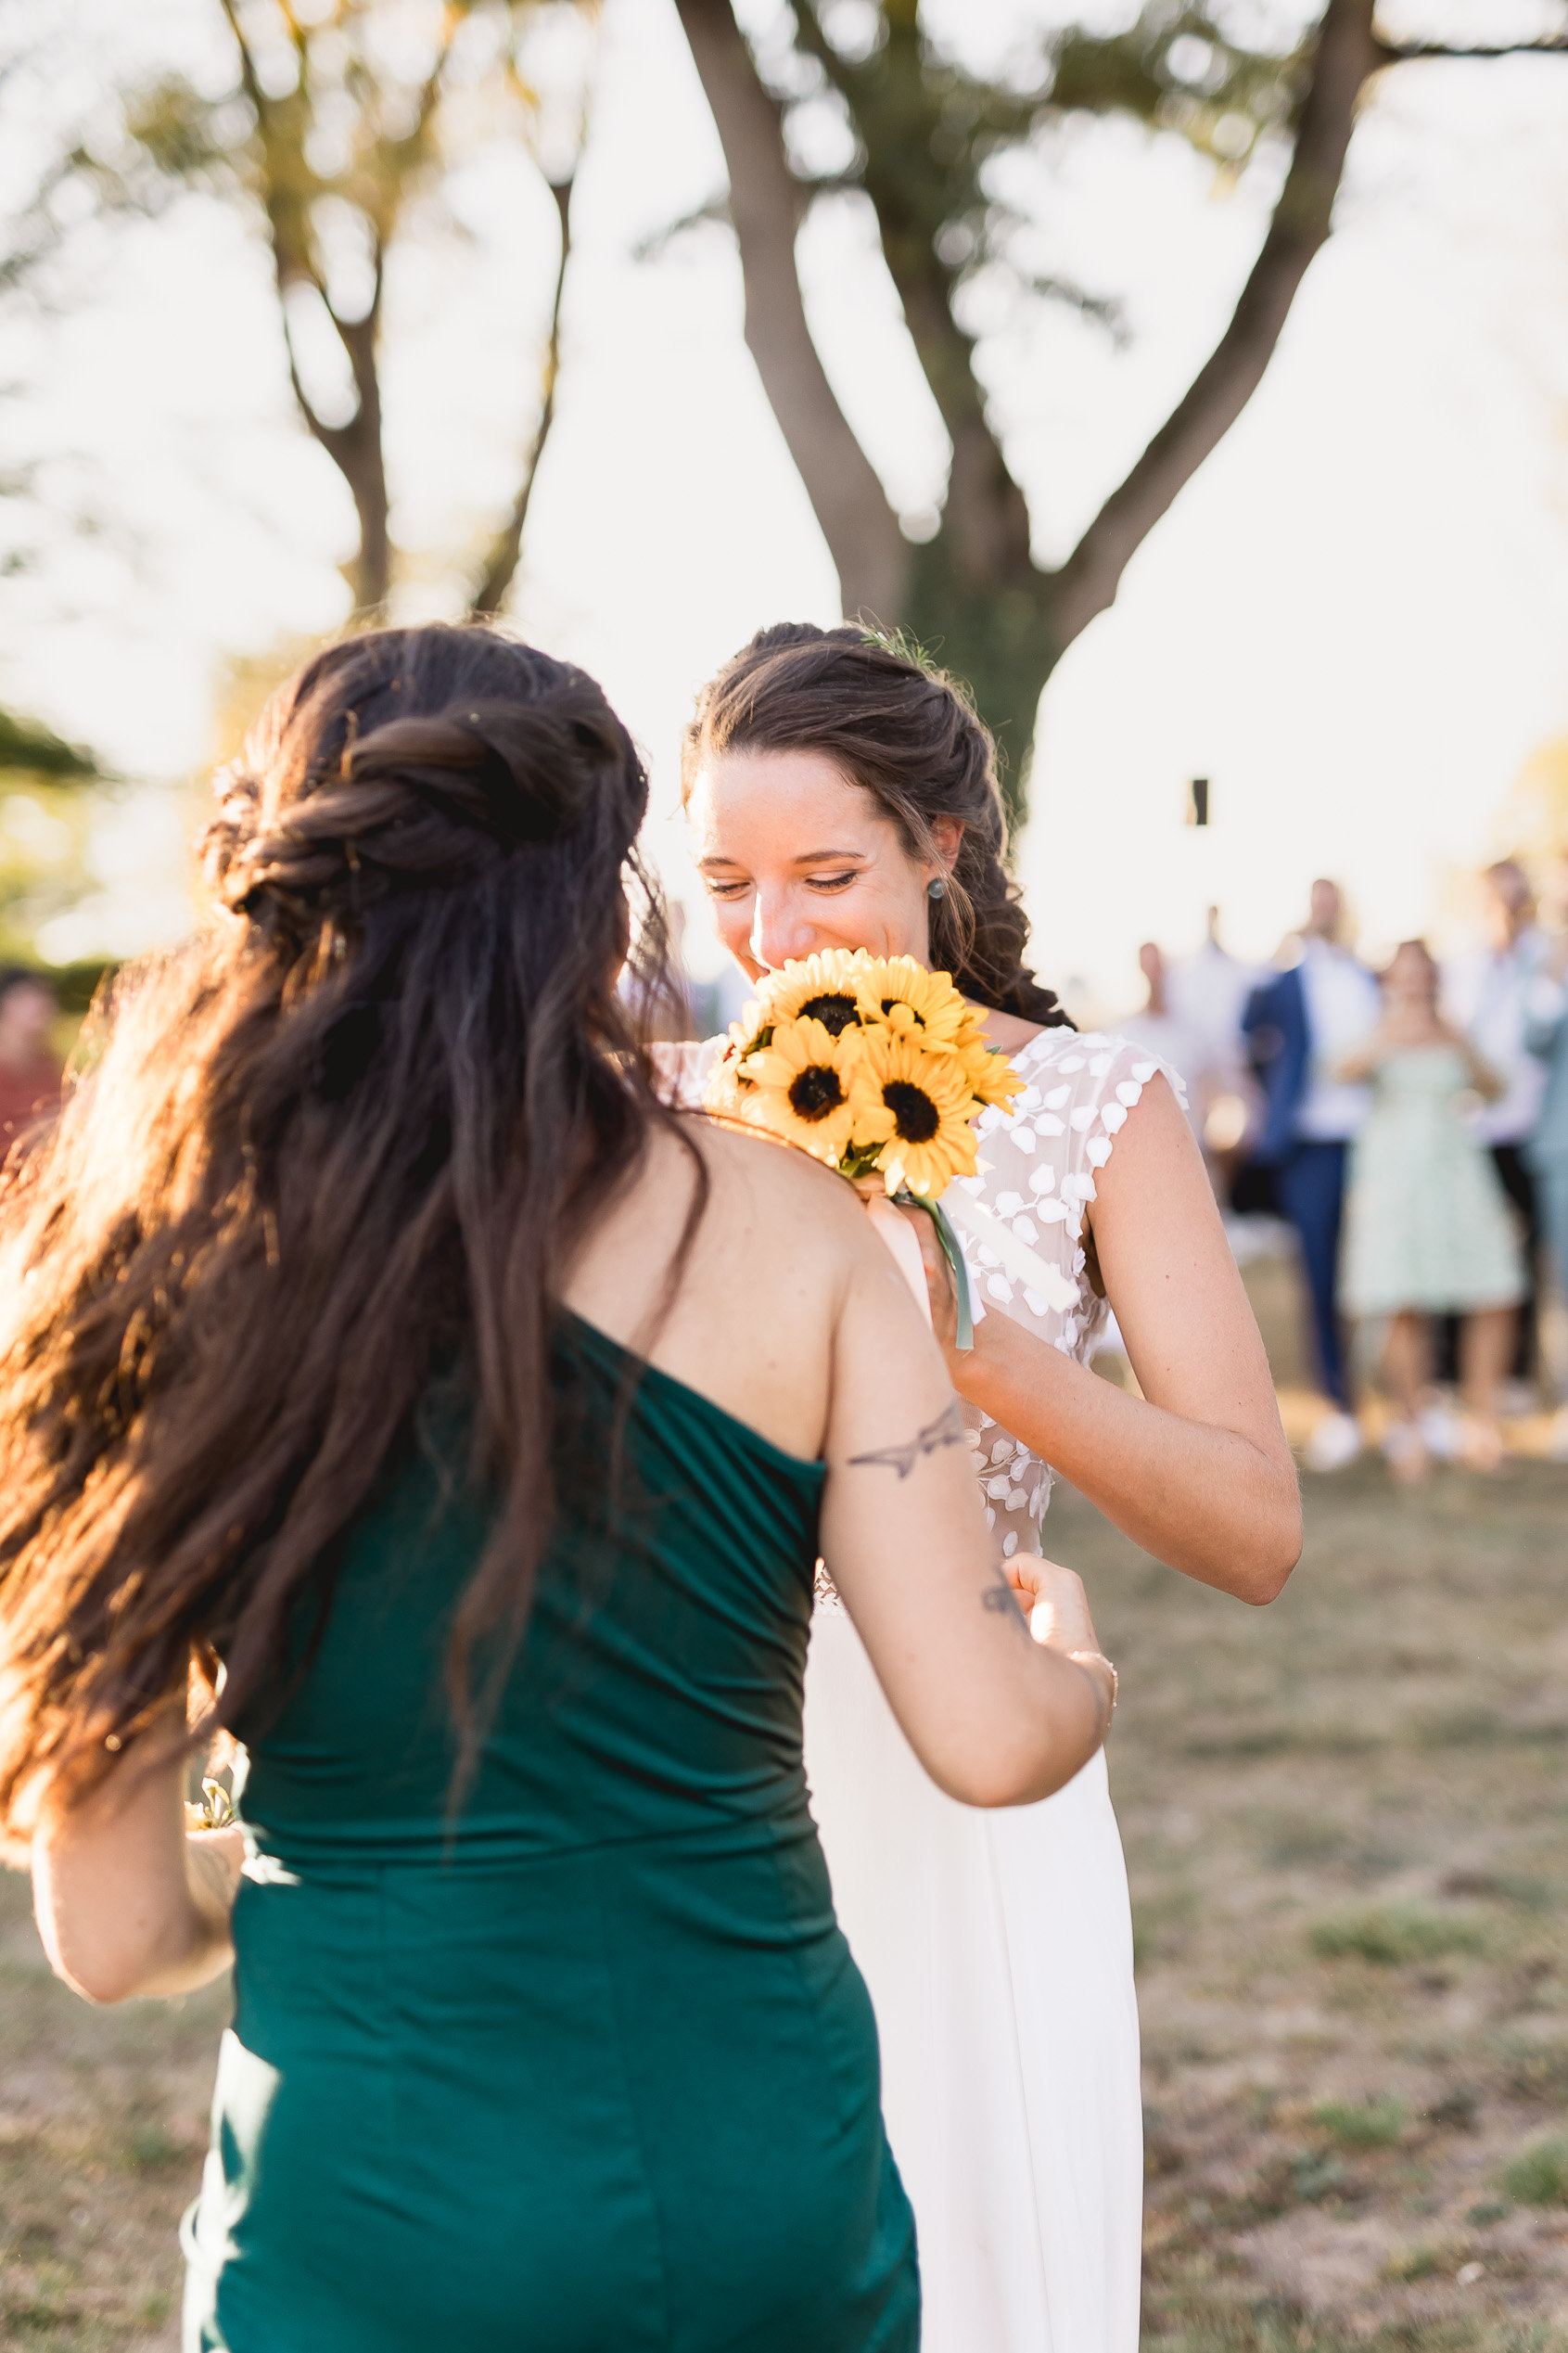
(910,736)
(355,1133)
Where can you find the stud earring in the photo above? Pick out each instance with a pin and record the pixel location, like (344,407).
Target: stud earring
(936,888)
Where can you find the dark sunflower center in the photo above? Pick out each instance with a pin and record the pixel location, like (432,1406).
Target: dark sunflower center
(914,1115)
(889,1003)
(834,1013)
(815,1092)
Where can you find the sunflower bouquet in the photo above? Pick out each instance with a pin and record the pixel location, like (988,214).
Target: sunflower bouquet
(876,1067)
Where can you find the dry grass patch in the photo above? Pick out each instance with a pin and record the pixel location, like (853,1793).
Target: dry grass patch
(1345,1820)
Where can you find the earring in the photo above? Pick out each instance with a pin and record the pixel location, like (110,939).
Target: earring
(936,888)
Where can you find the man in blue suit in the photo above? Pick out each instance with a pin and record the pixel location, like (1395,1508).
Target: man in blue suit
(1300,1025)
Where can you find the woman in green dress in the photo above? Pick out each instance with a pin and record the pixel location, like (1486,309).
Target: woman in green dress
(1428,1229)
(395,1387)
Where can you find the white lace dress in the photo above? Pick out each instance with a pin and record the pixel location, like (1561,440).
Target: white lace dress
(998,1945)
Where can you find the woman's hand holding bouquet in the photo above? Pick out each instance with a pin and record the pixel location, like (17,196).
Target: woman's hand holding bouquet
(875,1067)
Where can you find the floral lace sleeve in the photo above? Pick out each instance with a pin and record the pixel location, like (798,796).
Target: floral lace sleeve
(1039,1161)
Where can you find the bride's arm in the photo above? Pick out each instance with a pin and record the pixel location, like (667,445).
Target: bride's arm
(1197,1471)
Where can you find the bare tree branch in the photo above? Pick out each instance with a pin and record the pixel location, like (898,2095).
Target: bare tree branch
(1402,52)
(850,504)
(1346,53)
(502,562)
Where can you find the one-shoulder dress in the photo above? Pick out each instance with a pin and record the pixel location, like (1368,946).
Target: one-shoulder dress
(586,2067)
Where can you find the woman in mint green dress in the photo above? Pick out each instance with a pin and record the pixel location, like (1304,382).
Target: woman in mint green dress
(1428,1228)
(384,1389)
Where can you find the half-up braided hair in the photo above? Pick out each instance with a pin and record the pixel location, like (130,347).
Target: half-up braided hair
(908,736)
(343,1142)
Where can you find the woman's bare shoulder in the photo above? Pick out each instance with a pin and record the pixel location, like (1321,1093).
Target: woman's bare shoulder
(777,1178)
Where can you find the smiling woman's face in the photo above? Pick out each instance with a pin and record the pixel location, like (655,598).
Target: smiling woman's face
(797,859)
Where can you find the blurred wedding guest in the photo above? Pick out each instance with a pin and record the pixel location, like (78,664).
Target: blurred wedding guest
(1427,1227)
(1484,995)
(1302,1024)
(1545,1034)
(1163,1032)
(1208,992)
(29,1069)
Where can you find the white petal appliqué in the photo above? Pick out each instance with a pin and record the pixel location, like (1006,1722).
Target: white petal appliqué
(1081,1116)
(1042,1179)
(1058,1096)
(1007,1204)
(1000,1288)
(1054,1210)
(1069,1062)
(1128,1093)
(1049,1124)
(1097,1151)
(1143,1071)
(1025,1229)
(1114,1117)
(1100,1064)
(1025,1139)
(1009,1545)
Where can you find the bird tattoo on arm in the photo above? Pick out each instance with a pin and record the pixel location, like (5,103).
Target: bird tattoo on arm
(946,1430)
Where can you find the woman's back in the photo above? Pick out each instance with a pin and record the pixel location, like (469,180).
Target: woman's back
(571,2003)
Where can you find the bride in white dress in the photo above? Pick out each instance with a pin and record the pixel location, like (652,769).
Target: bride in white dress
(844,795)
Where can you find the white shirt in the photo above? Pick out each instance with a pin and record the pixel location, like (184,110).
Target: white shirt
(1178,1042)
(1208,992)
(1486,994)
(1343,1007)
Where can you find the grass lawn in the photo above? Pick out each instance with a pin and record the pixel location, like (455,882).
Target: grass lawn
(1346,1822)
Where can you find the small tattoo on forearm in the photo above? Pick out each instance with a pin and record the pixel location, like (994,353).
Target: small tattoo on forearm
(999,1598)
(946,1430)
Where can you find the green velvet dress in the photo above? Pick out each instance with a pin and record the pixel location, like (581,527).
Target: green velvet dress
(591,2069)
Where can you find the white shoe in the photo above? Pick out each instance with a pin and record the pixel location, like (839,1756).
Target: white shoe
(1442,1432)
(1407,1452)
(1335,1441)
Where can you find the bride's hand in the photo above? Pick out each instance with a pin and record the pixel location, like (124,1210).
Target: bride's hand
(938,1284)
(1053,1601)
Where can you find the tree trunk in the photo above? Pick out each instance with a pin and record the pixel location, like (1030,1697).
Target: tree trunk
(862,530)
(500,565)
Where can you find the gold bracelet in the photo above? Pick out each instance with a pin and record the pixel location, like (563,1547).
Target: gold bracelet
(1083,1658)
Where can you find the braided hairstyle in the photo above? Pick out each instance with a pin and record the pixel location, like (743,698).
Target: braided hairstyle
(908,736)
(339,1147)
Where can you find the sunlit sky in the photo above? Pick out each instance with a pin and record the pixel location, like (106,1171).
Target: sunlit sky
(1355,620)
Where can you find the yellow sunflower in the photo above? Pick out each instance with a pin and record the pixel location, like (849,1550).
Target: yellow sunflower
(921,1006)
(989,1072)
(801,1087)
(917,1105)
(821,988)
